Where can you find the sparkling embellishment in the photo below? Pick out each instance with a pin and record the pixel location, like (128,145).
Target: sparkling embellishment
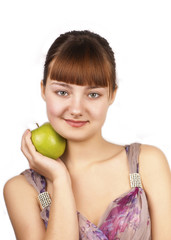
(135,180)
(44,199)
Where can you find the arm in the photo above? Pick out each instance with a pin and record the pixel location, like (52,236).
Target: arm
(156,179)
(63,221)
(23,206)
(23,209)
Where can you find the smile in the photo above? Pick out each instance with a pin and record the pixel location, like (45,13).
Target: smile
(73,123)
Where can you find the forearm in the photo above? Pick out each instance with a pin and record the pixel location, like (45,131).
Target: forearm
(63,221)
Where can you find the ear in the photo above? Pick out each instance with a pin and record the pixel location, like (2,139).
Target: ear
(42,90)
(112,97)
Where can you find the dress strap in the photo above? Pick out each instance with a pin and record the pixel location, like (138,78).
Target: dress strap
(36,180)
(40,184)
(133,152)
(133,157)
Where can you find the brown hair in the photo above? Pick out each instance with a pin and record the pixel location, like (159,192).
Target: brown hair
(82,58)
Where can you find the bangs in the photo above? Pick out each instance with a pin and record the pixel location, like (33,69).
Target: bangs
(81,64)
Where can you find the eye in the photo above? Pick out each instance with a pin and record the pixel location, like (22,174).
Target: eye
(62,93)
(94,95)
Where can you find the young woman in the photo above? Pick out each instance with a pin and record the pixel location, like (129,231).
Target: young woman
(96,189)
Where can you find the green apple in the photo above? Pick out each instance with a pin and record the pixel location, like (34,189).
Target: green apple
(47,141)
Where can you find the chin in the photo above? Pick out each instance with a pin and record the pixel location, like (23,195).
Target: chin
(79,137)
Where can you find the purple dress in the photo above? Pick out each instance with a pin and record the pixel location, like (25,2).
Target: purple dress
(126,218)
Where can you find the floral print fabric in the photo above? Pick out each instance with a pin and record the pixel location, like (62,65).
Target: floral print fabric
(126,218)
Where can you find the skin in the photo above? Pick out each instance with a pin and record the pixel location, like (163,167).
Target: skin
(90,164)
(78,103)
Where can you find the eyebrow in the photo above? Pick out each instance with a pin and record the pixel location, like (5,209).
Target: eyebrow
(62,84)
(70,87)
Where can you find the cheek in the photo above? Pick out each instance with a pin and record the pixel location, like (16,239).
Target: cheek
(99,112)
(53,109)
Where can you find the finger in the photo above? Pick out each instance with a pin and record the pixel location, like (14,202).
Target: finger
(29,143)
(24,147)
(35,155)
(27,155)
(23,143)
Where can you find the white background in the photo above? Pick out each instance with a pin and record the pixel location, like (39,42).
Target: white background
(138,32)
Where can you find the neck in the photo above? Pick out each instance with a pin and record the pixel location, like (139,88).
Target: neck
(79,155)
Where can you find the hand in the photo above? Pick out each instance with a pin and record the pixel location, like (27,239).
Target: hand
(49,168)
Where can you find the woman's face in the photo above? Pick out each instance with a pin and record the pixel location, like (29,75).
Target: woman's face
(76,112)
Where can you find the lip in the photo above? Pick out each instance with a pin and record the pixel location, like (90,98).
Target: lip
(74,123)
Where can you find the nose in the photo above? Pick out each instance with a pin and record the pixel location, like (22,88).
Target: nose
(76,107)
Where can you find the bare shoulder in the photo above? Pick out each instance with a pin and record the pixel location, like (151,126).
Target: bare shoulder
(152,152)
(19,179)
(156,179)
(23,208)
(153,166)
(18,185)
(152,160)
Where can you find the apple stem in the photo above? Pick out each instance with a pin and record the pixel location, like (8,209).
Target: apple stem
(37,125)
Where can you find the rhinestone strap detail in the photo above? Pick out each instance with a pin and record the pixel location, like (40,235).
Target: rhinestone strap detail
(135,180)
(44,199)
